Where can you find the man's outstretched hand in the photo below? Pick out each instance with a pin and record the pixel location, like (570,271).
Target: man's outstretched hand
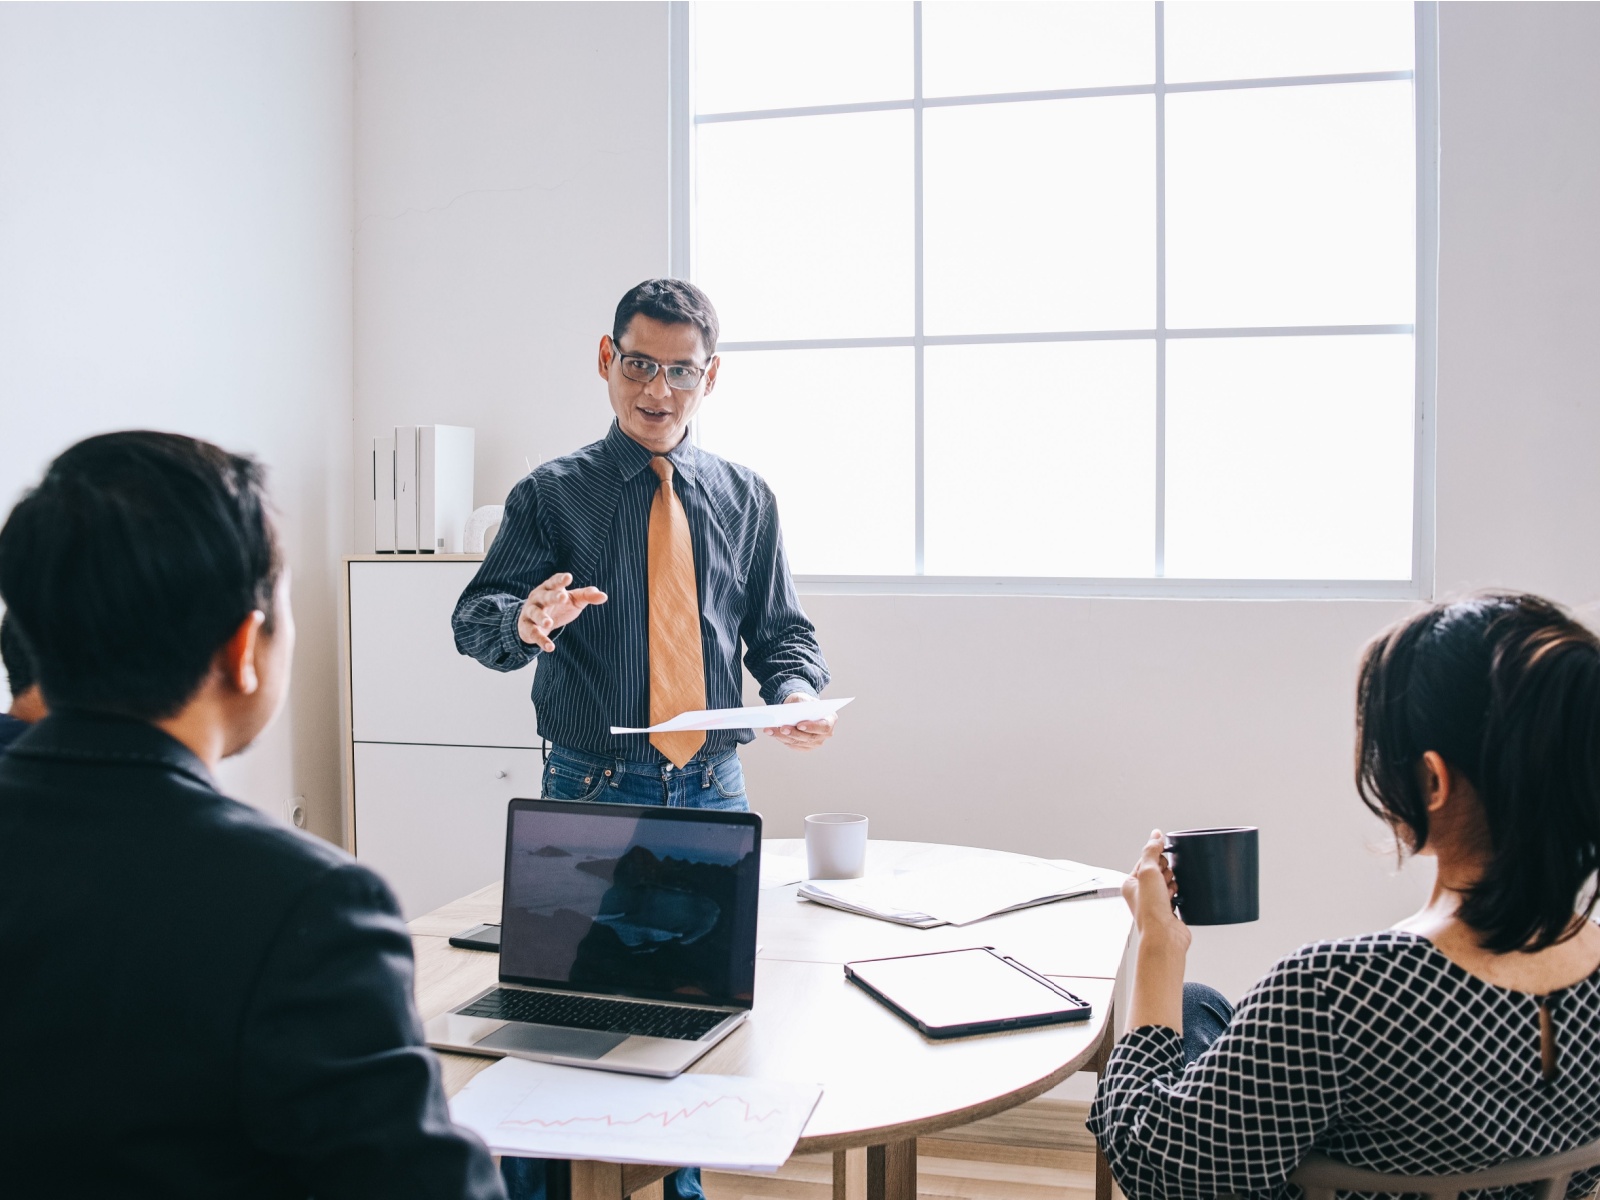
(807,735)
(550,606)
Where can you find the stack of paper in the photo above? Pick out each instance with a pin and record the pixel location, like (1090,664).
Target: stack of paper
(544,1111)
(959,895)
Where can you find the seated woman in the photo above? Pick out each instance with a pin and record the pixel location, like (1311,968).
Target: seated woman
(1466,1035)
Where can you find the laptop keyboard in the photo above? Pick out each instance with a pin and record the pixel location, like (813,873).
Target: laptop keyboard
(587,1012)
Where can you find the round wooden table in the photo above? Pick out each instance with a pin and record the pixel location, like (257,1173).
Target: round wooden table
(883,1083)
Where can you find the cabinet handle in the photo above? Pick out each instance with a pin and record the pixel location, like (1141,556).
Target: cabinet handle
(502,774)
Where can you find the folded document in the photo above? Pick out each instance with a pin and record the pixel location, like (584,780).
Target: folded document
(959,895)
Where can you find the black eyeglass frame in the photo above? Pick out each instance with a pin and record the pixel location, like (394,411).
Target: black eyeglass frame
(656,368)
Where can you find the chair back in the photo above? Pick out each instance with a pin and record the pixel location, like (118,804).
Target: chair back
(1320,1176)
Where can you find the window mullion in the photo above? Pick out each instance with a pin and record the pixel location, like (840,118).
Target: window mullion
(917,329)
(1161,294)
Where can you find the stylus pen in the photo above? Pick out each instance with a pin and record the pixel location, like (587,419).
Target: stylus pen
(1032,974)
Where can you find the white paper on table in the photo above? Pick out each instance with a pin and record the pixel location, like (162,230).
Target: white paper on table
(722,1121)
(962,894)
(761,716)
(780,870)
(865,900)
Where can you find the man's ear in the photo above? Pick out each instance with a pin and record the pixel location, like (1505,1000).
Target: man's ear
(236,661)
(711,373)
(607,351)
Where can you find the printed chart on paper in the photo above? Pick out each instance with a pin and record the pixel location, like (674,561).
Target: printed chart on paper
(546,1111)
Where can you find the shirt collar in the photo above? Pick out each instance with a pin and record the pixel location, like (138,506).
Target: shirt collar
(631,458)
(78,736)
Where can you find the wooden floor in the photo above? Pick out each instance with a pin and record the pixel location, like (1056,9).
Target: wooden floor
(1037,1151)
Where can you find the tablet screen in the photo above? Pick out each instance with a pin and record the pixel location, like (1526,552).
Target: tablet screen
(961,987)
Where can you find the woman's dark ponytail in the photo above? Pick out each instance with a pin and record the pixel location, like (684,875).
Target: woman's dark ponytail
(1506,689)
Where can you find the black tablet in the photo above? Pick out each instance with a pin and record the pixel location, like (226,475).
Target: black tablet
(956,993)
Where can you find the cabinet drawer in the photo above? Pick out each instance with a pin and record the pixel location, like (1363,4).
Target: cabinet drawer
(432,819)
(407,682)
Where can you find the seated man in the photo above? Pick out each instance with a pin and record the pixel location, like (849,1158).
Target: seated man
(202,1001)
(27,703)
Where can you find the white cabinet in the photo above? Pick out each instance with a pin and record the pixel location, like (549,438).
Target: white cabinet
(432,819)
(436,744)
(407,682)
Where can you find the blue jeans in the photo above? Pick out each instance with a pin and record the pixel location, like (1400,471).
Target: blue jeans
(1206,1013)
(717,782)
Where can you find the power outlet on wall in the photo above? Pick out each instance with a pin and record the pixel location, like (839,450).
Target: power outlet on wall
(296,811)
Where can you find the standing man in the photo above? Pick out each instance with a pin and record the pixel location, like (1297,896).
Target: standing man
(634,569)
(677,558)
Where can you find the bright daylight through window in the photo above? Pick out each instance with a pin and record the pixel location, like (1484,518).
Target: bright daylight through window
(1068,291)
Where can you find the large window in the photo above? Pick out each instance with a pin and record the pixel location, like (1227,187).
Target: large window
(1070,296)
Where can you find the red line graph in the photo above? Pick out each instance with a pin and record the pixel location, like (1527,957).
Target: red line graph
(666,1116)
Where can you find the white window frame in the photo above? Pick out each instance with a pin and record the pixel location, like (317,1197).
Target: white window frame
(681,122)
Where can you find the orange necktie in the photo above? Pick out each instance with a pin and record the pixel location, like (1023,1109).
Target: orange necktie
(677,671)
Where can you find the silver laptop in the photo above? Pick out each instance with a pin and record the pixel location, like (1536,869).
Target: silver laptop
(627,938)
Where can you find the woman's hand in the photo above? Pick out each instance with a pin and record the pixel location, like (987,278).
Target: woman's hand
(1163,940)
(1150,889)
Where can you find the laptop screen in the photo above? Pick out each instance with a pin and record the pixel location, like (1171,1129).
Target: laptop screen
(653,903)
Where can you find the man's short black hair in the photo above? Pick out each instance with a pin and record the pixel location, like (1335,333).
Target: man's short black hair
(15,657)
(132,563)
(672,302)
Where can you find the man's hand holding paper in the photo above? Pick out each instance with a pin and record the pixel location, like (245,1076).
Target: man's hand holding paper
(809,710)
(807,734)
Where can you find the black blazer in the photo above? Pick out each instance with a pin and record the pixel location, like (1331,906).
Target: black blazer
(196,1000)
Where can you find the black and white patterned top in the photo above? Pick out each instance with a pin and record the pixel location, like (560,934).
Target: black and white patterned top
(1378,1051)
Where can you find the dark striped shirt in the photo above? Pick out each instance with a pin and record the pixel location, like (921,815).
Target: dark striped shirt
(588,513)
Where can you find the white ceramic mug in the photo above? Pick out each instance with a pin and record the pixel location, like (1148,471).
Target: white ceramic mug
(836,846)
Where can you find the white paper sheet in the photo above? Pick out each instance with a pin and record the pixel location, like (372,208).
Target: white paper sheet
(761,716)
(723,1121)
(780,870)
(929,896)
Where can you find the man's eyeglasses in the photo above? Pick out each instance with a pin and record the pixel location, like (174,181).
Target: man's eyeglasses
(642,370)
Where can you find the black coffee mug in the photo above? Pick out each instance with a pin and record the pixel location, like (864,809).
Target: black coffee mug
(1218,873)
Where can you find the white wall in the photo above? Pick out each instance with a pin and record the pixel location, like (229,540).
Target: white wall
(175,200)
(1519,360)
(512,183)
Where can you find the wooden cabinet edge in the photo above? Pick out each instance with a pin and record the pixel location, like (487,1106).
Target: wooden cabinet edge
(347,745)
(411,558)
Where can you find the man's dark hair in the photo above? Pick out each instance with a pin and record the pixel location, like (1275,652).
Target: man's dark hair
(132,563)
(15,657)
(672,302)
(1506,690)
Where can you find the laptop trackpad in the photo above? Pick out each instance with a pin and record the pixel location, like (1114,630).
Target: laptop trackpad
(516,1038)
